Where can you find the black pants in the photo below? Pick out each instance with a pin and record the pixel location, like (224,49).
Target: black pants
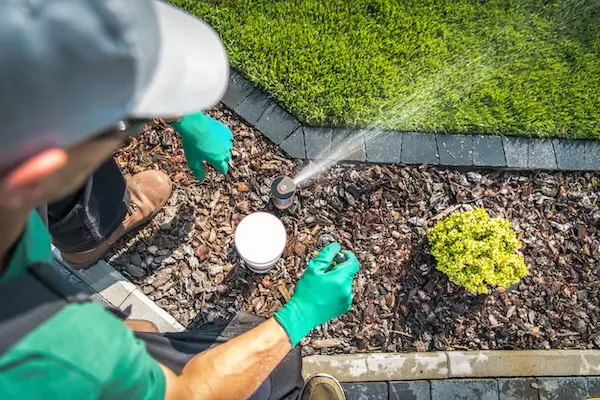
(174,350)
(89,216)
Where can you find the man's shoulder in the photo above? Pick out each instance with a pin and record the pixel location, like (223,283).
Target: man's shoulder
(90,348)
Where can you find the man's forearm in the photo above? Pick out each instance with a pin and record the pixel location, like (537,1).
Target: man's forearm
(232,370)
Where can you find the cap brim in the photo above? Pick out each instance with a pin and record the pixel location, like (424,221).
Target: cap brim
(192,72)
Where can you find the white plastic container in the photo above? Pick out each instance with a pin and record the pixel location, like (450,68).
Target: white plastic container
(259,240)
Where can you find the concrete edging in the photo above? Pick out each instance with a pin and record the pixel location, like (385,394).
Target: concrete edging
(369,367)
(303,142)
(107,286)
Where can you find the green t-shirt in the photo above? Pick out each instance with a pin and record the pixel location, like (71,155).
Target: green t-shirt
(81,352)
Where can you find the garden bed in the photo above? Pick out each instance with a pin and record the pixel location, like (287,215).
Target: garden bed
(185,261)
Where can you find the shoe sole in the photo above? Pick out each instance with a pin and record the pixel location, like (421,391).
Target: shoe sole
(324,375)
(134,229)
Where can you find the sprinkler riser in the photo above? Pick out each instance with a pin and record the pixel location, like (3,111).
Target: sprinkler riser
(283,194)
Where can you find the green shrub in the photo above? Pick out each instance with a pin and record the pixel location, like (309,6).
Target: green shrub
(475,250)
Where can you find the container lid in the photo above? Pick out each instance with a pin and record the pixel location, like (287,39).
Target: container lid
(260,238)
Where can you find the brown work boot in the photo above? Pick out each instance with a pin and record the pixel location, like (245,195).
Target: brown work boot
(322,387)
(148,193)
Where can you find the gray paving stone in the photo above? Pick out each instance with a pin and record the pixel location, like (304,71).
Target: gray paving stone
(276,123)
(318,142)
(517,389)
(253,107)
(455,150)
(488,151)
(419,148)
(294,144)
(412,390)
(566,388)
(516,151)
(541,154)
(348,144)
(64,272)
(237,90)
(593,386)
(384,147)
(366,391)
(577,155)
(79,284)
(465,389)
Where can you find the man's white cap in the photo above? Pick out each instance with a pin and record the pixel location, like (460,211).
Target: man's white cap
(71,68)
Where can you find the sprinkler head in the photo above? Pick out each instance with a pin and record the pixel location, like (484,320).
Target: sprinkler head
(339,258)
(283,193)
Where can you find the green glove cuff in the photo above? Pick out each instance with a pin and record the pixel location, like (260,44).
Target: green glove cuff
(290,319)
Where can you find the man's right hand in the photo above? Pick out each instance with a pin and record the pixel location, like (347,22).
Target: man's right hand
(324,292)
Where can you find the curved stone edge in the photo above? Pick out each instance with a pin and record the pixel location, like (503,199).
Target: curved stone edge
(370,367)
(395,147)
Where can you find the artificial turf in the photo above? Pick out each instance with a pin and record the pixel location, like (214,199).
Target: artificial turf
(523,67)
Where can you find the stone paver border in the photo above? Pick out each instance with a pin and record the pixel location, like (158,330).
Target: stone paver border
(303,142)
(369,367)
(107,286)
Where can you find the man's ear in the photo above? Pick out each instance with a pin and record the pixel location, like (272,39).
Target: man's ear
(24,183)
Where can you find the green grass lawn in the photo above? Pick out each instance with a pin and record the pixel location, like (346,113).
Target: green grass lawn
(526,67)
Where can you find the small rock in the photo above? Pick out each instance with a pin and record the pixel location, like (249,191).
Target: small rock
(189,250)
(396,234)
(550,191)
(147,290)
(474,177)
(215,269)
(579,325)
(241,187)
(135,270)
(325,239)
(135,259)
(163,252)
(202,252)
(193,262)
(140,247)
(149,260)
(169,261)
(152,249)
(310,220)
(199,277)
(299,249)
(243,206)
(416,221)
(377,250)
(177,254)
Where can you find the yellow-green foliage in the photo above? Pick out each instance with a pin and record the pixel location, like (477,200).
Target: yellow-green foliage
(475,250)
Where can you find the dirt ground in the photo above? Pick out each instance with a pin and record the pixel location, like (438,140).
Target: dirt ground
(185,260)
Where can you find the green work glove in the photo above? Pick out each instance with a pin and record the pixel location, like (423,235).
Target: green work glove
(324,292)
(204,139)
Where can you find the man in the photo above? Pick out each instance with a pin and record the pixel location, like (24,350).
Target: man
(77,77)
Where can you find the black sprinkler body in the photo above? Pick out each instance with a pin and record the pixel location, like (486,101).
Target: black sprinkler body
(283,194)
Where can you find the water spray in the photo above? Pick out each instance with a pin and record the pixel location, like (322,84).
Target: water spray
(283,194)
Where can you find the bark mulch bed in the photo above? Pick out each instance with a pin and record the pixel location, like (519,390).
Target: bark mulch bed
(184,259)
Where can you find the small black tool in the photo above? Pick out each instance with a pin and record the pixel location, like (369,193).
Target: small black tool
(339,258)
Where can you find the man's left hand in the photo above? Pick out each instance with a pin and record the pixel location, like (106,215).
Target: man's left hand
(204,139)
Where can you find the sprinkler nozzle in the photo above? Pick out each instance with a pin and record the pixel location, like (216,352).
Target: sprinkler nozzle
(283,193)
